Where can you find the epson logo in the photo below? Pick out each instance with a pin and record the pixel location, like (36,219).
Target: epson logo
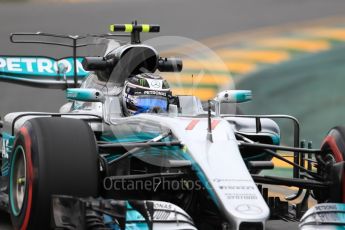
(39,66)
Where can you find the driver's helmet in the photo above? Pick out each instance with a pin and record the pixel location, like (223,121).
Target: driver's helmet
(144,93)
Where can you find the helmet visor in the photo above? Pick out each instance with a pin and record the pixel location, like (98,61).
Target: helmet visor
(144,104)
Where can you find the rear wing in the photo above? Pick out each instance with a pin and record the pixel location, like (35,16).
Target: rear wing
(44,72)
(69,72)
(29,70)
(47,72)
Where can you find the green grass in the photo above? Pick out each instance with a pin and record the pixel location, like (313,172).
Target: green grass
(281,172)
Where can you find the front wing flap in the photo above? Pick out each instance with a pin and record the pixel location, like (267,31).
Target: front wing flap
(90,213)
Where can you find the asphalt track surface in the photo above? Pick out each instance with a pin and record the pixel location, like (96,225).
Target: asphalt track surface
(192,19)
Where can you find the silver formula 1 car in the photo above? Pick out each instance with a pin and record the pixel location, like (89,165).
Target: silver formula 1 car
(177,163)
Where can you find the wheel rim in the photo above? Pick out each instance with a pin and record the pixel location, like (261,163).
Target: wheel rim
(328,158)
(18,180)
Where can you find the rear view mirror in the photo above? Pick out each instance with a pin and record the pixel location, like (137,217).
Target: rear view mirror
(80,94)
(171,64)
(234,96)
(97,63)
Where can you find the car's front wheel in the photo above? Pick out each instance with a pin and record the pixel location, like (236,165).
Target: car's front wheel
(50,156)
(332,165)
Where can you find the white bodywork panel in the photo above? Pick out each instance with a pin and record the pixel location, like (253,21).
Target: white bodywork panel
(230,184)
(9,119)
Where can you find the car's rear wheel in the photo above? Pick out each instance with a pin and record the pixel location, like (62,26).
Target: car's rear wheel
(332,152)
(50,156)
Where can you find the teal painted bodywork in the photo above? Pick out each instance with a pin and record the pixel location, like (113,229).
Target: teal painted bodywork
(81,94)
(135,137)
(341,215)
(135,221)
(7,145)
(109,222)
(243,96)
(262,155)
(171,152)
(275,139)
(36,67)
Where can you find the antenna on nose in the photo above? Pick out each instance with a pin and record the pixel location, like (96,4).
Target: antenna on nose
(209,128)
